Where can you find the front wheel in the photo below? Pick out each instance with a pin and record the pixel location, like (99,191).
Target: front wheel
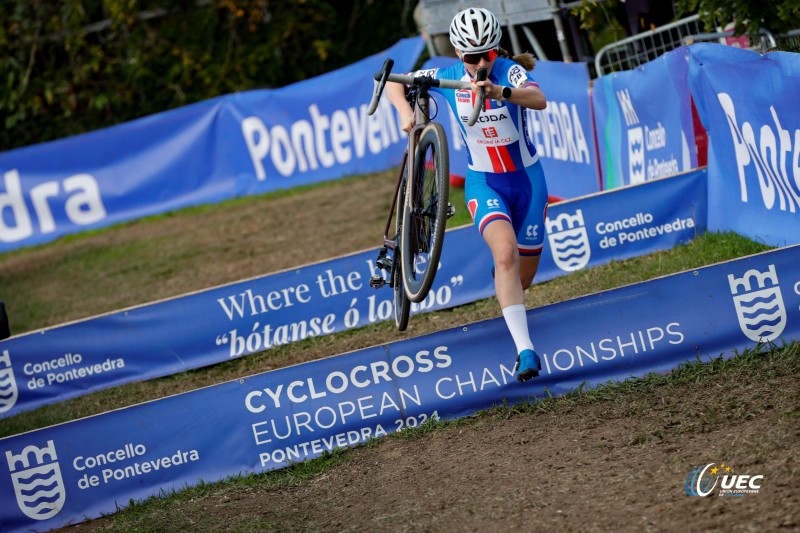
(425,213)
(402,305)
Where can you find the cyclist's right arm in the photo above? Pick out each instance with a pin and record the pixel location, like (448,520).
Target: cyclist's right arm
(397,96)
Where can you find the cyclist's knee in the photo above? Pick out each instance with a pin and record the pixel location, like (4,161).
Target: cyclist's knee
(506,257)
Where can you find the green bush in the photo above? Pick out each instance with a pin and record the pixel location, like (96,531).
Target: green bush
(77,65)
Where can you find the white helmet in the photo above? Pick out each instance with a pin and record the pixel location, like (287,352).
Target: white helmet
(475,30)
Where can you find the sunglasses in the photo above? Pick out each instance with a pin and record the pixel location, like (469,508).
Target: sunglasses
(474,59)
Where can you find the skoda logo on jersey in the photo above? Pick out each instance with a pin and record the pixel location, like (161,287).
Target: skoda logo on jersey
(759,304)
(569,241)
(38,485)
(495,117)
(636,155)
(492,118)
(8,385)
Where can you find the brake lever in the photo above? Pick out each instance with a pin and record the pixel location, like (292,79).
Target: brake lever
(481,76)
(380,82)
(481,106)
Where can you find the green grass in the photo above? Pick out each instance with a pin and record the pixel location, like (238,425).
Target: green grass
(462,215)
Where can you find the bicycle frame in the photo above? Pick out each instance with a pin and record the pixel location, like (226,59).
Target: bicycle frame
(420,99)
(412,288)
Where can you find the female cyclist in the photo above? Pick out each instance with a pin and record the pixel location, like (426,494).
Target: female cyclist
(505,188)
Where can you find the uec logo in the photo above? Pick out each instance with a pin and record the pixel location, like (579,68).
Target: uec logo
(702,481)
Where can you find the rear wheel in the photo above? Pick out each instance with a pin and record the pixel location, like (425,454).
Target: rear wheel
(402,305)
(425,213)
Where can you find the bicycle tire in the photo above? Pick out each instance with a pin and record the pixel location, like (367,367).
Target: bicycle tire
(425,213)
(402,305)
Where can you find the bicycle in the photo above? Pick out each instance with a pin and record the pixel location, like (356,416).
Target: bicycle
(420,206)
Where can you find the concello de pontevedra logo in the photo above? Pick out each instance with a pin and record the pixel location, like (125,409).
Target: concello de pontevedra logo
(636,155)
(8,385)
(37,480)
(569,241)
(759,305)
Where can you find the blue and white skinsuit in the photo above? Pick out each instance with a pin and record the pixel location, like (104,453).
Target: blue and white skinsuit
(504,180)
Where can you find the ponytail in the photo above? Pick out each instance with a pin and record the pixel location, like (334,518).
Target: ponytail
(526,60)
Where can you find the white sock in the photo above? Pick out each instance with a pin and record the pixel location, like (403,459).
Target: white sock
(517,322)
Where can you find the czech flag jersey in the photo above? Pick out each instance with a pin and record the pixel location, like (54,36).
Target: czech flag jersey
(499,141)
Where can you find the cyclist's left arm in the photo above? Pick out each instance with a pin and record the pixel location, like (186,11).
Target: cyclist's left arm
(530,96)
(525,92)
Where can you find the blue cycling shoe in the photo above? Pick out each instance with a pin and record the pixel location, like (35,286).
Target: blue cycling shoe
(528,365)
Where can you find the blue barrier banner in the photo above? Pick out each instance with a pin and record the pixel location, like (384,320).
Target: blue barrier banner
(239,144)
(748,104)
(604,227)
(563,133)
(235,320)
(77,470)
(643,119)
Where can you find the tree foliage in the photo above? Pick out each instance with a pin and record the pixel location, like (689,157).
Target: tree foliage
(76,65)
(777,16)
(749,16)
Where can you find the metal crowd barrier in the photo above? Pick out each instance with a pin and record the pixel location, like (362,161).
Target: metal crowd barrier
(629,53)
(637,50)
(763,43)
(789,42)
